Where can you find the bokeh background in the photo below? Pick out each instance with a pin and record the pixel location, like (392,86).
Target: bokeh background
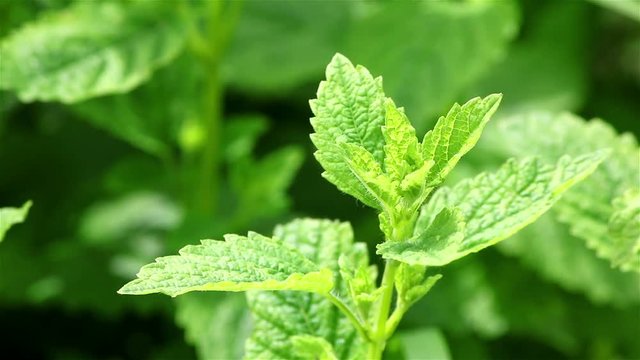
(137,127)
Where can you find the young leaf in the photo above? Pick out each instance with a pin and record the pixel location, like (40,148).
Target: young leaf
(87,50)
(348,109)
(457,133)
(587,209)
(280,315)
(10,216)
(360,278)
(401,149)
(237,264)
(492,206)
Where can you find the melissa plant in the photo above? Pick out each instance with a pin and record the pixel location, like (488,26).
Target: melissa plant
(311,289)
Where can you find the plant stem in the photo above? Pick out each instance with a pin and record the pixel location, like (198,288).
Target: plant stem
(379,336)
(355,320)
(210,50)
(210,159)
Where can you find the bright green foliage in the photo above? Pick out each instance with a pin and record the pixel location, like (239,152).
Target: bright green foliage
(10,216)
(88,50)
(369,149)
(624,228)
(332,307)
(589,209)
(455,134)
(349,109)
(280,315)
(488,209)
(237,264)
(312,348)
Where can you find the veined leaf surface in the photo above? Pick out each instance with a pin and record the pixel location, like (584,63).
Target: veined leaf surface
(237,264)
(280,315)
(491,206)
(349,109)
(588,209)
(88,50)
(457,133)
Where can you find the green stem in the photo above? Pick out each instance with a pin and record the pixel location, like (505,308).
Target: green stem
(394,320)
(379,337)
(209,50)
(206,197)
(355,320)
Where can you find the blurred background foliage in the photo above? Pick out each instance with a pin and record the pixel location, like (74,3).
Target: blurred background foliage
(137,127)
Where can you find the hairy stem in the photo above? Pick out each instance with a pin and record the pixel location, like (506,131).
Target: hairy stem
(379,336)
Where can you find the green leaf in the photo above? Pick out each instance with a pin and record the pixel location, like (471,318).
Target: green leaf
(280,315)
(624,228)
(589,207)
(89,49)
(367,171)
(457,133)
(237,264)
(401,149)
(436,49)
(349,109)
(492,206)
(427,344)
(135,116)
(278,45)
(441,240)
(217,324)
(412,283)
(312,348)
(360,278)
(119,218)
(263,181)
(10,216)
